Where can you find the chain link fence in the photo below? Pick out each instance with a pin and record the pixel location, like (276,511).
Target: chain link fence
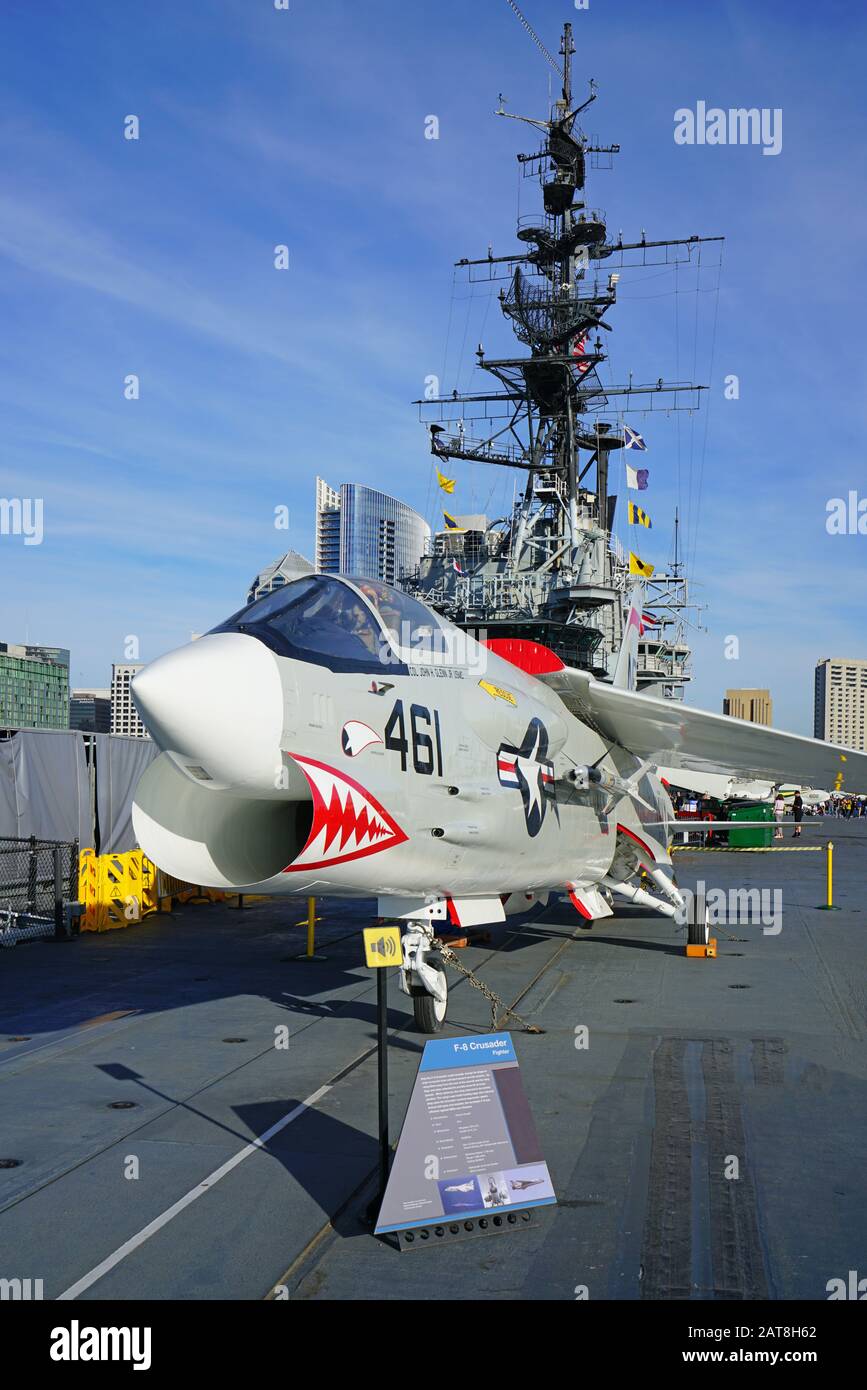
(38,888)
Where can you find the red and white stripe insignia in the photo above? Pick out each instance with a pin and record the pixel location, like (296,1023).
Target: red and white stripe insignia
(348,821)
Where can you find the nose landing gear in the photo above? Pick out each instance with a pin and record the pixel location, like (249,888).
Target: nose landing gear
(423,978)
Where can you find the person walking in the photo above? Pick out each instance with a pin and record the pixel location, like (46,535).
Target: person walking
(798,813)
(779,811)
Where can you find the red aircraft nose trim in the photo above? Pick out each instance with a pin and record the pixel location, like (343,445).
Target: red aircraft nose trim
(642,844)
(348,821)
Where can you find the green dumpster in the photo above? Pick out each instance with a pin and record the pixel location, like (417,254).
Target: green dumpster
(748,813)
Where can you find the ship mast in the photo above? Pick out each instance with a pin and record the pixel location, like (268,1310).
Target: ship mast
(549,413)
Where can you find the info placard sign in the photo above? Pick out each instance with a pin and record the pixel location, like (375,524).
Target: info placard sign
(468,1148)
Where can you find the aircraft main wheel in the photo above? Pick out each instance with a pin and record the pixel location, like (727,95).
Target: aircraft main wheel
(429,1013)
(698,933)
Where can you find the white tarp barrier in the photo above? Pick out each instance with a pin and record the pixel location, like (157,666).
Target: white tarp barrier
(45,786)
(120,763)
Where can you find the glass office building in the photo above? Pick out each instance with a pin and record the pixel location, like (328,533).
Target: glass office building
(90,711)
(34,687)
(379,537)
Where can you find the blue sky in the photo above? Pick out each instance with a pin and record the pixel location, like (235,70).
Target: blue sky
(306,127)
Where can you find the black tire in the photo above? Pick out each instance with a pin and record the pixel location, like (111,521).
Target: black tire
(698,933)
(429,1015)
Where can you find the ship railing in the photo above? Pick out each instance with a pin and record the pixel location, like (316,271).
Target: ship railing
(482,450)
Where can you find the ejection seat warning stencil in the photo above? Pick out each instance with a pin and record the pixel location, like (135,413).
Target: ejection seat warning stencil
(468,1147)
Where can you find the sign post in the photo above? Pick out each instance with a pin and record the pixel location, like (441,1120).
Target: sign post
(381,949)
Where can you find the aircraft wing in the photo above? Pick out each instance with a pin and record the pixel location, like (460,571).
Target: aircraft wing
(672,734)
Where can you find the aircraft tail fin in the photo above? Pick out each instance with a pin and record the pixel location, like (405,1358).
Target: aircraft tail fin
(626,670)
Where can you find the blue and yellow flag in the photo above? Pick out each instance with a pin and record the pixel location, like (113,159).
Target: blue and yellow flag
(451,523)
(638,566)
(638,517)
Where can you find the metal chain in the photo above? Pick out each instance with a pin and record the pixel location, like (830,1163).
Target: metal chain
(493,999)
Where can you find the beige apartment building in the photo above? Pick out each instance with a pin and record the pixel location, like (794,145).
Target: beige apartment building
(841,701)
(753,705)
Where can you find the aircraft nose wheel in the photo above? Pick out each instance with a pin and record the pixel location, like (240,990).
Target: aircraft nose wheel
(430,1013)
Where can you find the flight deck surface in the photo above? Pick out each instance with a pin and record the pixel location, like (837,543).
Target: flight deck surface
(757,1055)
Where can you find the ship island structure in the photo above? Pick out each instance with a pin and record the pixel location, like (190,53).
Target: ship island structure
(551,571)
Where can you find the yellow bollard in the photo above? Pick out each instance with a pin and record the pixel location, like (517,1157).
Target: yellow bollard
(829,905)
(310,923)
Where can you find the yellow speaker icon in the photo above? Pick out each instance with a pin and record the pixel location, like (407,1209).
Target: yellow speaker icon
(382,946)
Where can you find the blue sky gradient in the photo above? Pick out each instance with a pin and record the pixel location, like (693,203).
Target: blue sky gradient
(306,127)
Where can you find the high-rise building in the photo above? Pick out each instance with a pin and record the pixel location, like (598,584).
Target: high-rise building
(124,715)
(327,558)
(290,566)
(365,532)
(34,687)
(753,705)
(90,711)
(841,701)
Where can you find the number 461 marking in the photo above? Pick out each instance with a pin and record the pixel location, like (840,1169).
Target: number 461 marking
(426,749)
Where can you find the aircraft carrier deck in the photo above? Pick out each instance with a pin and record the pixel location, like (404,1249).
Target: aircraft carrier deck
(758,1054)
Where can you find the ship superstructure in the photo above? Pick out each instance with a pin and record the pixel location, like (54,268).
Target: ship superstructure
(551,570)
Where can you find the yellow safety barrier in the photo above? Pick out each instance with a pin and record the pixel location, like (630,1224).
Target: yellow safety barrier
(190,894)
(746,849)
(116,890)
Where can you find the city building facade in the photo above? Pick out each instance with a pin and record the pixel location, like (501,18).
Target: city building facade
(327,557)
(755,706)
(290,566)
(124,715)
(90,711)
(840,701)
(34,687)
(362,531)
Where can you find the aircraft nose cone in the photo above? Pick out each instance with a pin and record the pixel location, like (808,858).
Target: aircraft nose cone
(217,706)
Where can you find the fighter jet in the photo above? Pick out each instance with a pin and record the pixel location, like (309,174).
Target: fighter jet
(339,737)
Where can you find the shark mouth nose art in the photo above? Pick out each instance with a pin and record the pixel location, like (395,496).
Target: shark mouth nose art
(348,821)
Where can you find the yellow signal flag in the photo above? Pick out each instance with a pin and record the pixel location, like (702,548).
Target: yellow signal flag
(447,484)
(638,517)
(638,566)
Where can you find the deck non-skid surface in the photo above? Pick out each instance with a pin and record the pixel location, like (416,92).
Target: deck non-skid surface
(708,1142)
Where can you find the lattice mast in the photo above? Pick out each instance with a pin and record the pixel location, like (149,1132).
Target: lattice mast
(554,564)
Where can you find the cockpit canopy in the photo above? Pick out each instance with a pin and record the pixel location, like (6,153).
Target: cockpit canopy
(344,623)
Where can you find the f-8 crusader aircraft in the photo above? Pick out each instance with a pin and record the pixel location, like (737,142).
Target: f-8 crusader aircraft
(338,737)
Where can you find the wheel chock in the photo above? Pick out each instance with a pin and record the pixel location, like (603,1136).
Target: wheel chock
(705,952)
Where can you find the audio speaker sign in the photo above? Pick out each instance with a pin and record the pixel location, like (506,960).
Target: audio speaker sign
(469,1156)
(382,946)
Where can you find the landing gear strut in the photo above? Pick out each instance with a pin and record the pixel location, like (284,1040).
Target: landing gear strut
(423,978)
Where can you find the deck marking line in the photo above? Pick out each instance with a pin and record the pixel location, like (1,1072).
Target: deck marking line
(204,1186)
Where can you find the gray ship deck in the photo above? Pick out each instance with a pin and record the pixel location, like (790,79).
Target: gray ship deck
(759,1054)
